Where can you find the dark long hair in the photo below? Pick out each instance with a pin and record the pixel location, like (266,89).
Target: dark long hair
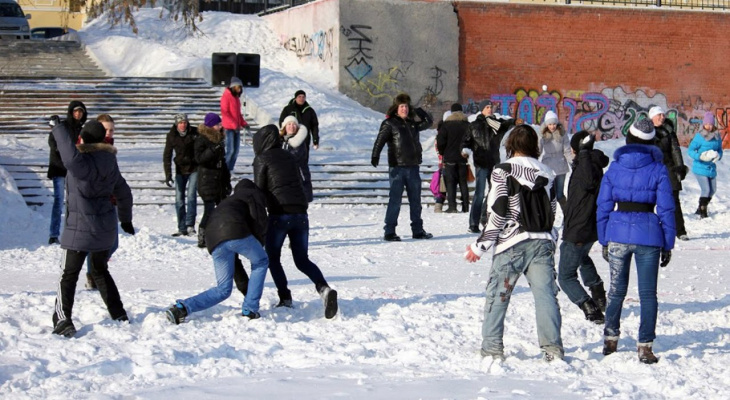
(523,139)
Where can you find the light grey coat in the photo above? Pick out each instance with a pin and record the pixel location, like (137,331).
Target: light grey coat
(555,150)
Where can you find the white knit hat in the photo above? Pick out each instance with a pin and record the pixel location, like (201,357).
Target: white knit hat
(289,119)
(551,117)
(654,111)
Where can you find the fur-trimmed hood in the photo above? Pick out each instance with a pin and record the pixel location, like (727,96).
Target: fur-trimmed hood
(210,133)
(297,138)
(94,147)
(457,116)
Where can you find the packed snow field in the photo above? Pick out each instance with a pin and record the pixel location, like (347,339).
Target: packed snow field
(409,324)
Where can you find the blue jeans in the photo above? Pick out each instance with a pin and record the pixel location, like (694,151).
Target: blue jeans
(186,209)
(296,226)
(223,259)
(535,259)
(647,270)
(574,258)
(233,143)
(410,178)
(477,206)
(559,183)
(708,186)
(59,191)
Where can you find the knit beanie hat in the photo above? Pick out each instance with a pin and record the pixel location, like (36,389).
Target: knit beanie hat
(551,117)
(289,119)
(484,103)
(211,120)
(235,82)
(93,132)
(641,131)
(180,118)
(577,138)
(654,111)
(456,107)
(298,92)
(708,119)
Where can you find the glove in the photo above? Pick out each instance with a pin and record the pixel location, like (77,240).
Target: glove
(470,256)
(374,161)
(168,182)
(681,172)
(587,143)
(421,113)
(708,155)
(128,227)
(54,120)
(605,253)
(665,256)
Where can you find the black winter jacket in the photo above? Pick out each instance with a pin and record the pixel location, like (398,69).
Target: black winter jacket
(73,127)
(184,148)
(238,216)
(93,177)
(306,116)
(277,173)
(580,210)
(214,179)
(403,139)
(666,140)
(450,137)
(484,137)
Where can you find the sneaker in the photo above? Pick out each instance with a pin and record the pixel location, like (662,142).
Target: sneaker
(592,312)
(610,344)
(65,328)
(391,237)
(329,297)
(53,240)
(550,357)
(422,235)
(497,356)
(191,231)
(177,313)
(90,284)
(250,314)
(179,233)
(646,356)
(285,303)
(683,237)
(474,229)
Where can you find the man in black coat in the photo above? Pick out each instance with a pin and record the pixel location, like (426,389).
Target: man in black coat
(580,231)
(276,172)
(181,140)
(305,114)
(666,139)
(482,140)
(91,219)
(448,143)
(75,119)
(236,226)
(401,133)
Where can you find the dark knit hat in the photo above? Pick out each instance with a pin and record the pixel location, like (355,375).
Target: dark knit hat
(93,132)
(484,103)
(180,118)
(641,132)
(577,138)
(456,107)
(211,120)
(298,92)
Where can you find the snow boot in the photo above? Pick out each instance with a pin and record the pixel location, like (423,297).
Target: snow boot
(90,284)
(285,299)
(610,344)
(438,208)
(201,237)
(592,312)
(329,298)
(598,295)
(703,207)
(177,313)
(646,356)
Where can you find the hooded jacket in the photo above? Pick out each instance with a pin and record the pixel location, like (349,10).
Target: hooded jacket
(637,175)
(580,212)
(295,145)
(73,127)
(184,148)
(484,138)
(306,116)
(214,179)
(503,204)
(555,149)
(666,140)
(402,137)
(231,117)
(238,216)
(93,177)
(277,173)
(450,137)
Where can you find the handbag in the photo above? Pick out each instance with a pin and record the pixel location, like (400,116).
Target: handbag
(435,183)
(470,175)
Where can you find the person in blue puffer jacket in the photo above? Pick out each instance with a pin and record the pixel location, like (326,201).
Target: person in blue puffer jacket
(706,150)
(635,183)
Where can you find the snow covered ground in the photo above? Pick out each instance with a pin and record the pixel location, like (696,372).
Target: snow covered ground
(409,325)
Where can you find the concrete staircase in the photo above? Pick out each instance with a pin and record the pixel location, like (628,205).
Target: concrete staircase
(46,58)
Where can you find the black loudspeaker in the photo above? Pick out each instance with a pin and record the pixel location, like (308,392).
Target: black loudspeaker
(248,69)
(224,67)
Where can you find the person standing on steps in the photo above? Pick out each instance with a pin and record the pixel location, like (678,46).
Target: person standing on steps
(214,178)
(75,119)
(232,120)
(276,172)
(449,140)
(305,115)
(579,229)
(181,141)
(706,150)
(401,133)
(91,219)
(666,140)
(556,153)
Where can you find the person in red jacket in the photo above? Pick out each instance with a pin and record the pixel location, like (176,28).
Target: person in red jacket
(233,120)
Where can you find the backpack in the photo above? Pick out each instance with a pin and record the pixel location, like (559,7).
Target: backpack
(536,212)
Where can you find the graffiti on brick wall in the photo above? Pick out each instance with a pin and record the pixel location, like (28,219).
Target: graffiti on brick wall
(318,45)
(608,113)
(360,51)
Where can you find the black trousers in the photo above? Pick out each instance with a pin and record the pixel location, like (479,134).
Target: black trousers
(72,263)
(455,174)
(678,217)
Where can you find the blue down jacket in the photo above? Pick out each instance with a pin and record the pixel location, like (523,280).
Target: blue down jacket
(637,175)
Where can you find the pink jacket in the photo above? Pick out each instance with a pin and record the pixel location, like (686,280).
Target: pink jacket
(231,111)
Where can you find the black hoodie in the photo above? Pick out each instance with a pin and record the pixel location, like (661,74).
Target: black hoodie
(238,216)
(277,173)
(580,211)
(55,166)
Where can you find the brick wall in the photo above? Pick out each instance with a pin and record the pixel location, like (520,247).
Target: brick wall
(603,67)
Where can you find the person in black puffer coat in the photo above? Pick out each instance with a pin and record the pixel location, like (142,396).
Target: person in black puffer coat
(276,172)
(75,119)
(181,140)
(214,179)
(401,133)
(293,135)
(448,141)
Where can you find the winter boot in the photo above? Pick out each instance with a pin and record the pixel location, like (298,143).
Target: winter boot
(703,206)
(177,313)
(598,295)
(646,356)
(592,312)
(465,207)
(438,208)
(329,297)
(65,328)
(285,299)
(90,284)
(610,344)
(201,237)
